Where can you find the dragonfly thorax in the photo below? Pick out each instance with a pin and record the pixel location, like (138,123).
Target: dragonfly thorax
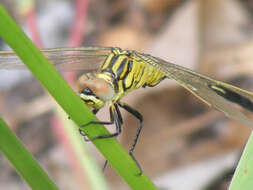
(94,91)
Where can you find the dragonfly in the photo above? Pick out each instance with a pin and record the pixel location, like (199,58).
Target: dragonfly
(111,73)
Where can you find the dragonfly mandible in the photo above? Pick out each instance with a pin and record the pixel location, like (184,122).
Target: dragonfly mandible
(111,73)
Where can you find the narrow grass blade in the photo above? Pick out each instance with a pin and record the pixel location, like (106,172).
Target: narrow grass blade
(243,177)
(23,161)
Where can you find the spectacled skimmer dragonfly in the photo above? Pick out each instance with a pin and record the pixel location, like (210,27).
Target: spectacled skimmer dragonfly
(111,73)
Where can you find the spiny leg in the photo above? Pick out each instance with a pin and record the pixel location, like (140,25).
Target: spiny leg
(120,122)
(95,111)
(140,118)
(114,118)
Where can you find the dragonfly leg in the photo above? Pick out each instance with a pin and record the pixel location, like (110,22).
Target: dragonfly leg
(140,118)
(80,131)
(118,121)
(84,135)
(93,122)
(115,117)
(95,111)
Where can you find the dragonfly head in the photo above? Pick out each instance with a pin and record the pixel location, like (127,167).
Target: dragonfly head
(94,91)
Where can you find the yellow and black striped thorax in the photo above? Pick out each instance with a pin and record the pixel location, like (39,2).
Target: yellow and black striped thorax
(125,72)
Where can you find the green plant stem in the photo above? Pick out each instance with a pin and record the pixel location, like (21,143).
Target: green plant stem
(70,102)
(243,177)
(23,161)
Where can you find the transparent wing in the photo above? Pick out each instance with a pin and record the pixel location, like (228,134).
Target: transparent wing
(66,59)
(210,91)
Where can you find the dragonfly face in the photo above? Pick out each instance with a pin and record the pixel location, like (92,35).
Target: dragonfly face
(94,91)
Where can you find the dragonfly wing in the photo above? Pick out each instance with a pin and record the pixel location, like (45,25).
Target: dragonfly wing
(65,59)
(214,93)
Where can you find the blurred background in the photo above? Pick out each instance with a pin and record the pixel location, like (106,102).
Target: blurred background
(184,144)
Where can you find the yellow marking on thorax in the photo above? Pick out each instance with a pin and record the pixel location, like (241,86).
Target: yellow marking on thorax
(126,72)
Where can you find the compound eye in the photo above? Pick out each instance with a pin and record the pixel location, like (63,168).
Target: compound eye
(94,86)
(87,91)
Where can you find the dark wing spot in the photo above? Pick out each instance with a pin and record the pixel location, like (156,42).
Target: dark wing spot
(232,96)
